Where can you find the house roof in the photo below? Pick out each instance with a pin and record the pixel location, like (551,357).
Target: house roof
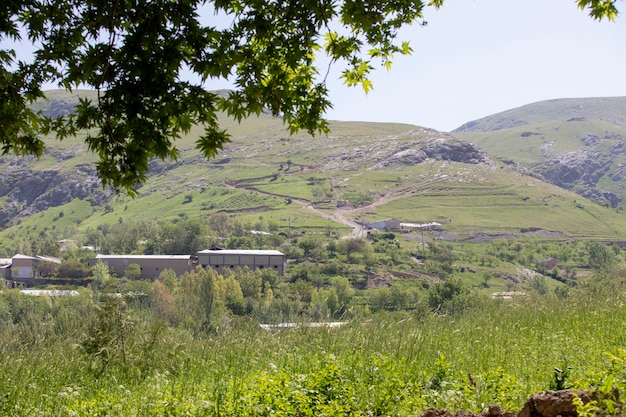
(420,225)
(37,258)
(147,257)
(20,256)
(51,293)
(240,252)
(49,259)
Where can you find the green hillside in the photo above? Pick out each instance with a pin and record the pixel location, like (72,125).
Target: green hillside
(609,109)
(576,144)
(359,173)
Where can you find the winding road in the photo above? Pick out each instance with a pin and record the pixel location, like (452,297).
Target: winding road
(343,216)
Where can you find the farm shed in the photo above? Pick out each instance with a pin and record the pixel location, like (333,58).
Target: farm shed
(151,265)
(222,259)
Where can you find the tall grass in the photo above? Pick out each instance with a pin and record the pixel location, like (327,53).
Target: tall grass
(385,364)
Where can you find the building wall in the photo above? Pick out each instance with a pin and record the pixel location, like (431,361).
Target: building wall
(223,261)
(151,267)
(5,271)
(23,268)
(15,284)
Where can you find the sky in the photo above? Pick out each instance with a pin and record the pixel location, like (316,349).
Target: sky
(475,58)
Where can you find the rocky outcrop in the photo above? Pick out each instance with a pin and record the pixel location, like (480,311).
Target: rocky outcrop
(554,403)
(27,192)
(60,107)
(455,150)
(444,148)
(581,171)
(582,167)
(543,404)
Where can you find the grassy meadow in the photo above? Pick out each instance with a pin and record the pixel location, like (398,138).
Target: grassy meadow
(384,364)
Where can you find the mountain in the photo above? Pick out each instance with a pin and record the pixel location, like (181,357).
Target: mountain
(360,173)
(576,144)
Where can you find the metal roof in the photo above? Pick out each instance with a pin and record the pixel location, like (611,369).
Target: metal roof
(100,256)
(20,256)
(240,252)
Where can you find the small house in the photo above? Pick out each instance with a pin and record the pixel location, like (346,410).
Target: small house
(408,227)
(24,266)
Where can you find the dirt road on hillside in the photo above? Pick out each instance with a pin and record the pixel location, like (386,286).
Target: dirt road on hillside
(345,216)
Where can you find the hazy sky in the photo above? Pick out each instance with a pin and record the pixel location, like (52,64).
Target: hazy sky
(480,57)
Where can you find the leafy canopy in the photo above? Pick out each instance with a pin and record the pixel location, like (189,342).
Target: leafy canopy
(134,53)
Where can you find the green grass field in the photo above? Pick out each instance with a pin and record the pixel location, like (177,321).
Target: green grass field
(498,352)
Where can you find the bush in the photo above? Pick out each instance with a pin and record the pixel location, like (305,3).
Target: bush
(449,297)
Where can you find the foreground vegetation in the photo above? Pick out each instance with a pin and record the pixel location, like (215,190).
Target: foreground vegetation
(420,328)
(101,355)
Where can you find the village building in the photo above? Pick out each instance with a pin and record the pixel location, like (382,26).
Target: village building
(392,225)
(5,268)
(223,259)
(151,265)
(408,227)
(507,295)
(23,270)
(50,293)
(24,266)
(388,225)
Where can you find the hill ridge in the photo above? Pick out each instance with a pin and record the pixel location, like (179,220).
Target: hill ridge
(610,109)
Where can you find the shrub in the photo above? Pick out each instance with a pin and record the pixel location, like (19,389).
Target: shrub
(449,297)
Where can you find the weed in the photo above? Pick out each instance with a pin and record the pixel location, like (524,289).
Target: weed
(560,377)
